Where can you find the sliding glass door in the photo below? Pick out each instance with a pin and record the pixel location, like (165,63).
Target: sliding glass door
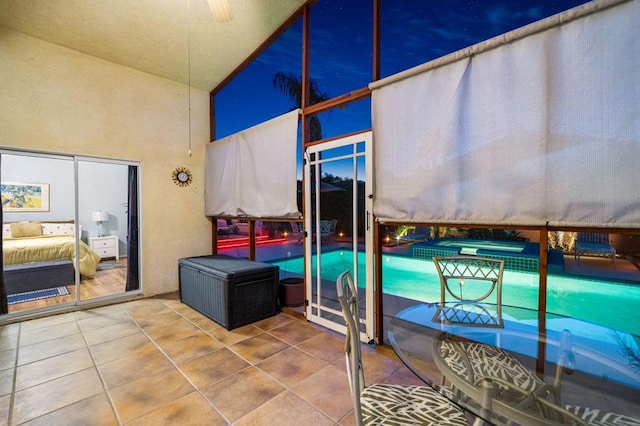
(103,210)
(66,230)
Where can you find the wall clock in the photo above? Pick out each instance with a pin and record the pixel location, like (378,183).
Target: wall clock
(181,176)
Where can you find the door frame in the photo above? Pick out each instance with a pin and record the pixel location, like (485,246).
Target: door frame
(314,283)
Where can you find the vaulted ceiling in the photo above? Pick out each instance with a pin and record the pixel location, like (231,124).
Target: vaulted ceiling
(153,36)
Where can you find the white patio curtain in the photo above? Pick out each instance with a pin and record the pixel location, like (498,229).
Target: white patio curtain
(253,173)
(540,125)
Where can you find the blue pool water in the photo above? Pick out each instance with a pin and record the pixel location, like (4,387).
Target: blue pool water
(611,304)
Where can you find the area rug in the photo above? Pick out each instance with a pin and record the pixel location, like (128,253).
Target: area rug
(37,295)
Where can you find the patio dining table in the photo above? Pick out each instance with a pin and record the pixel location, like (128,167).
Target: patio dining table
(524,369)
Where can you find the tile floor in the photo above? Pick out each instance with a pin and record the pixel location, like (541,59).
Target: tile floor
(158,362)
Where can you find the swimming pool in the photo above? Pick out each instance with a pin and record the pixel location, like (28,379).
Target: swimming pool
(517,255)
(468,246)
(607,303)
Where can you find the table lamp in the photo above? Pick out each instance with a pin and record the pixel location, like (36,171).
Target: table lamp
(100,217)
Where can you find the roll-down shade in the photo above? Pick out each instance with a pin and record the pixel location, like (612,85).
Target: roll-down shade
(252,173)
(540,125)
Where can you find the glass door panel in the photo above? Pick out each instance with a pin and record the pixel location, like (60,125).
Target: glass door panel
(336,210)
(103,209)
(39,231)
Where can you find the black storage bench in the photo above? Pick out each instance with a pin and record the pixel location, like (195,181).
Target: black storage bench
(38,276)
(229,290)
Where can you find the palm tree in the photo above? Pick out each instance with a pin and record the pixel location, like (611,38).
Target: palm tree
(291,86)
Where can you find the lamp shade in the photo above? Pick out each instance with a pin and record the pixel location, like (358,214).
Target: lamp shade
(100,216)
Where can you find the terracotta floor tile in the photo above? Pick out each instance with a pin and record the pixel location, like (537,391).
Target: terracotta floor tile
(55,394)
(242,392)
(94,411)
(234,336)
(159,319)
(190,347)
(205,323)
(291,366)
(118,348)
(273,322)
(6,382)
(176,330)
(145,308)
(298,369)
(286,409)
(147,361)
(37,372)
(326,346)
(42,334)
(98,319)
(49,348)
(212,367)
(378,367)
(192,410)
(295,332)
(7,359)
(328,390)
(4,409)
(260,347)
(102,310)
(184,309)
(348,420)
(47,322)
(111,332)
(9,341)
(140,397)
(10,329)
(404,376)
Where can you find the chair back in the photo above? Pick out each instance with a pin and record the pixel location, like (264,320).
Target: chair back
(348,298)
(325,228)
(333,225)
(295,227)
(471,279)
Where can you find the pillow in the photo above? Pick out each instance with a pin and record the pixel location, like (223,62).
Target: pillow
(26,229)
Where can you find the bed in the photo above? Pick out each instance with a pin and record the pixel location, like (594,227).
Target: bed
(45,242)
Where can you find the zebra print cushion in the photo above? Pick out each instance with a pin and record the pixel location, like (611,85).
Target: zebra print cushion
(408,405)
(602,418)
(488,361)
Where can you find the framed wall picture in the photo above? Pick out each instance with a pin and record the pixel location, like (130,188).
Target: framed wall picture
(25,197)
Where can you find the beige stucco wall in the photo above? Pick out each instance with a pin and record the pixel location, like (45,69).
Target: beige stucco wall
(57,100)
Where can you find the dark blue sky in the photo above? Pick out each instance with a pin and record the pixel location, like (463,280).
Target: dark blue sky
(412,32)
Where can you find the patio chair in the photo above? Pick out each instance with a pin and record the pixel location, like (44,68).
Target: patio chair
(470,279)
(594,244)
(380,404)
(223,227)
(483,372)
(296,230)
(325,229)
(332,228)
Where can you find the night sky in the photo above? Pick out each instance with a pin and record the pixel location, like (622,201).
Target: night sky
(412,32)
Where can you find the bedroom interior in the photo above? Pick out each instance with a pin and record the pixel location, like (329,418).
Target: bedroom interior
(44,198)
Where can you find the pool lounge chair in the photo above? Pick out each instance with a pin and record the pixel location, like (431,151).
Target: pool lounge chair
(594,244)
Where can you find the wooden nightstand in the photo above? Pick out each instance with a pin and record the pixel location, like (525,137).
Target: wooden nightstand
(105,246)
